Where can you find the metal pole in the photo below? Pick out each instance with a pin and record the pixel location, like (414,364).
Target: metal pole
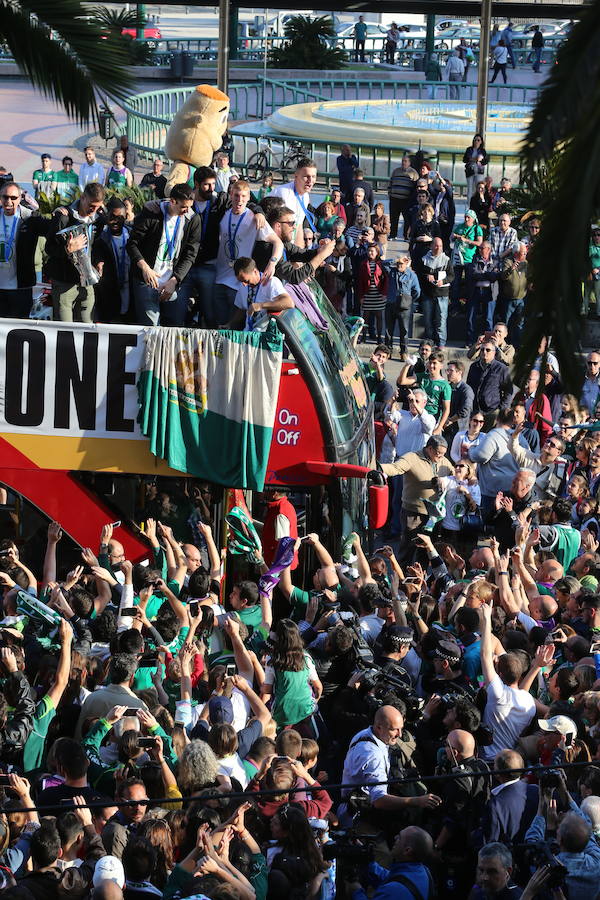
(140,21)
(483,74)
(429,38)
(223,57)
(265,55)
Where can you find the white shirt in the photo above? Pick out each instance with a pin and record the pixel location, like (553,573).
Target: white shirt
(233,768)
(223,177)
(456,502)
(173,226)
(290,199)
(508,712)
(462,437)
(90,172)
(243,239)
(413,431)
(500,54)
(8,267)
(259,293)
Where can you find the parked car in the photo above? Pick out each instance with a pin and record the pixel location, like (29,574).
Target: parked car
(152,34)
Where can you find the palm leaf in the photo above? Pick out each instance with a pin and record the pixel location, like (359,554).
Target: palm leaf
(65,55)
(564,134)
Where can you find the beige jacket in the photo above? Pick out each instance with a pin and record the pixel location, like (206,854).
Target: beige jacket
(418,473)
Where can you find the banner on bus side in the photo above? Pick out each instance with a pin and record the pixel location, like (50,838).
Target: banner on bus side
(69,401)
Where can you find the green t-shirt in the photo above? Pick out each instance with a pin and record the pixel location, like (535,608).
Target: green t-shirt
(67,184)
(116,179)
(43,178)
(471,232)
(438,390)
(251,615)
(299,600)
(33,752)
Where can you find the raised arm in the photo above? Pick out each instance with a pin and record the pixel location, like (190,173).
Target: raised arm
(362,564)
(258,707)
(54,536)
(487,658)
(241,655)
(61,679)
(214,558)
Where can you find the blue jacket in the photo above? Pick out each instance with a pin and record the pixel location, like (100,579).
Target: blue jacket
(392,890)
(400,283)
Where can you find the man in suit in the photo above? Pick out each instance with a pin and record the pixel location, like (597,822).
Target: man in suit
(513,802)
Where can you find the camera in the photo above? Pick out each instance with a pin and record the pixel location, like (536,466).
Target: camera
(348,847)
(550,779)
(539,853)
(374,679)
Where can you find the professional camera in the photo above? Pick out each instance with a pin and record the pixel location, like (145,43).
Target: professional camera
(539,853)
(377,684)
(347,846)
(550,779)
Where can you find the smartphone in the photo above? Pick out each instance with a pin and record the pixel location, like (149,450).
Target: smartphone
(557,634)
(131,711)
(146,742)
(128,611)
(412,580)
(230,670)
(595,648)
(193,607)
(115,524)
(4,779)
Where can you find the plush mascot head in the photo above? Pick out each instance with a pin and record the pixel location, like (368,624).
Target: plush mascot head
(196,133)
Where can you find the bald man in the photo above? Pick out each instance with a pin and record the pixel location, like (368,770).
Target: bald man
(368,760)
(192,558)
(411,852)
(464,798)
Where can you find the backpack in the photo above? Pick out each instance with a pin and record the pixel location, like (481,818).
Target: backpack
(412,888)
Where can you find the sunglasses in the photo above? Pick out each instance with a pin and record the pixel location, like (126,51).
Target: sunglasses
(552,444)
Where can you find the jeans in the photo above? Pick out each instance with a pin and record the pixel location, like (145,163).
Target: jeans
(499,67)
(359,51)
(537,58)
(15,303)
(72,302)
(224,298)
(396,208)
(440,320)
(427,312)
(511,55)
(456,288)
(454,88)
(511,312)
(200,281)
(480,296)
(147,304)
(393,315)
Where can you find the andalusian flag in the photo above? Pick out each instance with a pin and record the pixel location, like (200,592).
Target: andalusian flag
(208,401)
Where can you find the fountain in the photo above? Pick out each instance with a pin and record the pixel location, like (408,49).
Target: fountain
(447,124)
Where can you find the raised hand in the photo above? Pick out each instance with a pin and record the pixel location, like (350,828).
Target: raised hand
(54,533)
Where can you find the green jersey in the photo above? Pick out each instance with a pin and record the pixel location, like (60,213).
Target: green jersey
(44,180)
(67,184)
(438,390)
(34,750)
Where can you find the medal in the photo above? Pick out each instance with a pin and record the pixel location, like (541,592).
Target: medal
(232,239)
(170,241)
(6,245)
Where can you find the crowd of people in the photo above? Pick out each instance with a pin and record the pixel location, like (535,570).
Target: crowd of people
(184,259)
(415,717)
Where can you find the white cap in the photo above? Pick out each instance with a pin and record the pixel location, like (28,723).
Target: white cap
(109,868)
(561,724)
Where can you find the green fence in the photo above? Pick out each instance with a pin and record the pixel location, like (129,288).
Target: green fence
(149,115)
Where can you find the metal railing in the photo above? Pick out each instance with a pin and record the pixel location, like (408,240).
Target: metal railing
(253,48)
(149,116)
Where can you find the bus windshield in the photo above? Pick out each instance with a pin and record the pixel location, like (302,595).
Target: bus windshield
(329,361)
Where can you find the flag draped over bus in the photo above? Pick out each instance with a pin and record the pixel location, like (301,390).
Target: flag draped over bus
(208,401)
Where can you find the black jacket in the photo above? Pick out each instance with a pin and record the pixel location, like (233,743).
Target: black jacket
(59,266)
(145,240)
(31,228)
(492,385)
(285,270)
(19,725)
(108,296)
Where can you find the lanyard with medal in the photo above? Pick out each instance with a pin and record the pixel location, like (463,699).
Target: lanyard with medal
(253,292)
(306,211)
(6,245)
(120,256)
(204,215)
(170,241)
(232,239)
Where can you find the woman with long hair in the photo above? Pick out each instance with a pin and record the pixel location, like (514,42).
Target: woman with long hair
(475,159)
(157,831)
(296,865)
(291,680)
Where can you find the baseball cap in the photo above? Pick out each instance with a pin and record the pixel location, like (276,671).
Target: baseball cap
(561,724)
(220,711)
(109,868)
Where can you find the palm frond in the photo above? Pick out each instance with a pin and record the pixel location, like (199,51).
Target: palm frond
(573,85)
(65,55)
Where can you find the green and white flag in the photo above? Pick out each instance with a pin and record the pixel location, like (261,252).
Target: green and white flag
(208,401)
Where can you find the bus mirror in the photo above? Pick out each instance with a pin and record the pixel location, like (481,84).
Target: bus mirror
(378,500)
